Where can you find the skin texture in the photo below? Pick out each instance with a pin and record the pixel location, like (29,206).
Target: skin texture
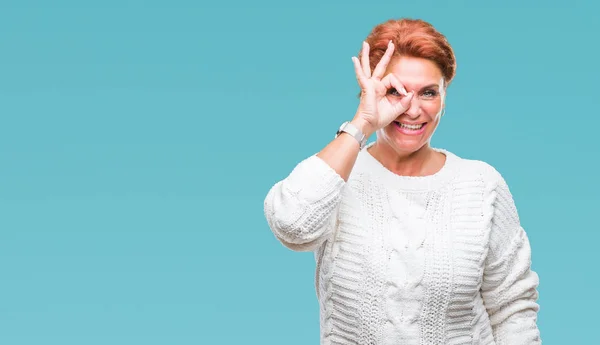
(384,99)
(374,111)
(407,154)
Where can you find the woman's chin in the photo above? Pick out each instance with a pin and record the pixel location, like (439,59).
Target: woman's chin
(404,143)
(407,143)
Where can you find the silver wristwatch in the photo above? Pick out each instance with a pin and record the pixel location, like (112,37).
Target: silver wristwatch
(353,131)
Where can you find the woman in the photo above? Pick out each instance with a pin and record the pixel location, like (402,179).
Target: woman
(414,244)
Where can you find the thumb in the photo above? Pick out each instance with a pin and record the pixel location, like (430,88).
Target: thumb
(404,104)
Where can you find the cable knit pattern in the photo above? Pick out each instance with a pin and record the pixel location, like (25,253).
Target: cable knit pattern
(439,259)
(300,209)
(509,285)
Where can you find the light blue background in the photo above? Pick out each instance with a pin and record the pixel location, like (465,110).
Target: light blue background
(138,140)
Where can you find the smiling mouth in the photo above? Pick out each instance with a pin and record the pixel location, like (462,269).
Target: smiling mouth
(409,127)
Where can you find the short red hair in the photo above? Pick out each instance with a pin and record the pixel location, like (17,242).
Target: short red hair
(414,38)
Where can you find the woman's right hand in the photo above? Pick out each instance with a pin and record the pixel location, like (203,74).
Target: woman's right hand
(379,106)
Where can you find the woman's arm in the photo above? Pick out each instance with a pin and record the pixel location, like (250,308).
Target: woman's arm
(301,209)
(509,288)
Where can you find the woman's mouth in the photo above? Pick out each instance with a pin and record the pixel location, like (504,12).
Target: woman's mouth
(410,129)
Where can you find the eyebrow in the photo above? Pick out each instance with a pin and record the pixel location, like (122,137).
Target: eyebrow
(434,85)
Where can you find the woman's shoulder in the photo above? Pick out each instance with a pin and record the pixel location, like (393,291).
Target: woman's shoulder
(474,169)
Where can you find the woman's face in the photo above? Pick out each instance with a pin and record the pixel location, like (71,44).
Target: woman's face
(413,129)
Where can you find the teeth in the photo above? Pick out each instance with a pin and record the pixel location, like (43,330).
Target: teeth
(413,127)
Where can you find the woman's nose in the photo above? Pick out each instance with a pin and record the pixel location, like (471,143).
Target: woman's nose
(414,109)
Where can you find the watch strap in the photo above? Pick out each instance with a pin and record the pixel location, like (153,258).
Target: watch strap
(356,133)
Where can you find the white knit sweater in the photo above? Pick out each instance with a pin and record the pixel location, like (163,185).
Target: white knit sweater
(439,259)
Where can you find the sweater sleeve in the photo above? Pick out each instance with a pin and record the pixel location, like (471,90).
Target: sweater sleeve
(509,287)
(301,209)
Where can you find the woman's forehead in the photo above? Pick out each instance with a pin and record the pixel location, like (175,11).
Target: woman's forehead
(415,72)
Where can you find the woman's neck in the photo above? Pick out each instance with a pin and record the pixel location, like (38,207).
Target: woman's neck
(423,162)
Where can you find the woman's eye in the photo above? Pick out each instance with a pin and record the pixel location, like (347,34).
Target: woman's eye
(394,92)
(430,93)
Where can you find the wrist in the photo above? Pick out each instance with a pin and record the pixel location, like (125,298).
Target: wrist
(363,126)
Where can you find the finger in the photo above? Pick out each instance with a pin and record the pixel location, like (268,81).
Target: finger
(364,55)
(385,60)
(390,81)
(360,76)
(404,104)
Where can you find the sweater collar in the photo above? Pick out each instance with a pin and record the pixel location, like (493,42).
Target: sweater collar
(366,163)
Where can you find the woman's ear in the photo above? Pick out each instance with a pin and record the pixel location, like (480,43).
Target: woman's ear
(444,95)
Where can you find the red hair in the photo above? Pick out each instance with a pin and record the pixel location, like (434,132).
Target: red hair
(414,38)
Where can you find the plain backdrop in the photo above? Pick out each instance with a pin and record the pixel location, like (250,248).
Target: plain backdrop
(138,140)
